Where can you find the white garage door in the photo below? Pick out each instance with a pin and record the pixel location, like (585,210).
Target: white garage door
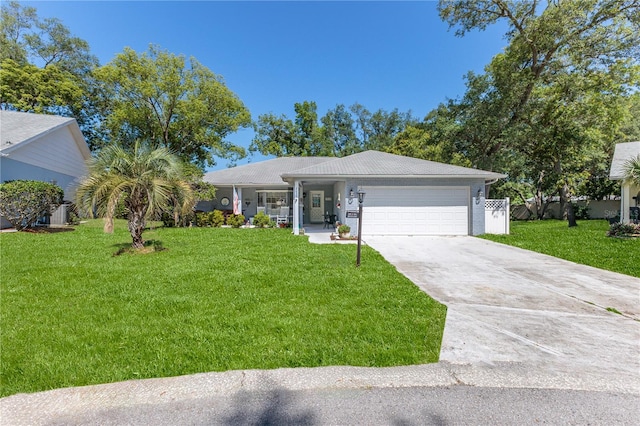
(416,211)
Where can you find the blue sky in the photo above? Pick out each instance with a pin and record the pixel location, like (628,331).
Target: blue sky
(273,54)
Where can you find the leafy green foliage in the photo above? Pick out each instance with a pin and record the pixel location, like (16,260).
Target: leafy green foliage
(341,131)
(44,68)
(22,202)
(549,108)
(344,229)
(261,220)
(235,220)
(631,170)
(619,229)
(216,218)
(214,300)
(581,212)
(179,105)
(29,88)
(203,219)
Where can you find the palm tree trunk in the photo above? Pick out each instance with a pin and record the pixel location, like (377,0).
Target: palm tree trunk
(136,226)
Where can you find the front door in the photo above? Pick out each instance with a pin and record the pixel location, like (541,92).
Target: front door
(316,207)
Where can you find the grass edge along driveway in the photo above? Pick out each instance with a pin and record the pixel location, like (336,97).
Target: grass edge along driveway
(73,314)
(586,244)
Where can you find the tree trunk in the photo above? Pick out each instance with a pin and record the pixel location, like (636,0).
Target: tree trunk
(571,216)
(566,206)
(538,197)
(136,226)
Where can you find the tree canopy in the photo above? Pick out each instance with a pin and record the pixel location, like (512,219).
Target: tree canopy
(171,102)
(43,67)
(341,131)
(548,109)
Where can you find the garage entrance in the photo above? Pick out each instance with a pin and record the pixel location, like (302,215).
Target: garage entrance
(416,211)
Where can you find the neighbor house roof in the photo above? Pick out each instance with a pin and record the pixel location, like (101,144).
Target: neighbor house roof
(623,153)
(17,129)
(382,164)
(267,173)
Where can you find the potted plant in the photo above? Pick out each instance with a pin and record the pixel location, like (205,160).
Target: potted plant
(344,230)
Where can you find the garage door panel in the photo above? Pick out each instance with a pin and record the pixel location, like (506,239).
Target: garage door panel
(416,211)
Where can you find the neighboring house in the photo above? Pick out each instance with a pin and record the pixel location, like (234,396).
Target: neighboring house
(42,147)
(404,196)
(630,194)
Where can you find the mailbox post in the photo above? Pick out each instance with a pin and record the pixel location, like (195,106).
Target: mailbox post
(360,202)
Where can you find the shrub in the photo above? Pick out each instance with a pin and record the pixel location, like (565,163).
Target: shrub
(261,220)
(235,220)
(167,220)
(22,202)
(217,218)
(202,219)
(581,212)
(121,211)
(74,216)
(344,229)
(624,229)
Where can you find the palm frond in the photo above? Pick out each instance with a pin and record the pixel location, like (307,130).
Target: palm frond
(631,170)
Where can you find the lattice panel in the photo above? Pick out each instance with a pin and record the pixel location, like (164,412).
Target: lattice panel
(495,204)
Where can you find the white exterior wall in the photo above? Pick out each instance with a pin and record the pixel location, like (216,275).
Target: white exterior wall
(16,170)
(476,211)
(56,151)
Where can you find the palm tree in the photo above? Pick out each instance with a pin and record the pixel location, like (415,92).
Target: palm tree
(147,181)
(631,170)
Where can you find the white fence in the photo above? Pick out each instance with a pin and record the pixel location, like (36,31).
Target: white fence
(496,216)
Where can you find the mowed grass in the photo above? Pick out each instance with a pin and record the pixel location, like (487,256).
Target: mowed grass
(73,314)
(587,243)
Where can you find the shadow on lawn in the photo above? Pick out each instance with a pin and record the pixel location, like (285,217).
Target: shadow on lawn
(48,230)
(150,246)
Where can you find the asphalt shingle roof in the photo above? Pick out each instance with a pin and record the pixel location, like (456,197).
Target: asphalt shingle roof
(623,153)
(263,173)
(364,164)
(376,163)
(20,127)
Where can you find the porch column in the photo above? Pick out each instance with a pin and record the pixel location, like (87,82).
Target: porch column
(625,197)
(296,208)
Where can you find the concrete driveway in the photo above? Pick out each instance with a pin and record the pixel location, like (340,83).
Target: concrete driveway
(508,306)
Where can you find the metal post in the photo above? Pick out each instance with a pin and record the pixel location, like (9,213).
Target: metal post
(360,202)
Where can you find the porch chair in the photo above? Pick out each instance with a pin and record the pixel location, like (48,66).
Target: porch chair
(283,217)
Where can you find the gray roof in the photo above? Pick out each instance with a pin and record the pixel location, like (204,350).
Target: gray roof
(268,173)
(623,153)
(22,127)
(364,164)
(382,164)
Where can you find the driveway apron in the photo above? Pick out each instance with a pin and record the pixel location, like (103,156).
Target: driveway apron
(508,305)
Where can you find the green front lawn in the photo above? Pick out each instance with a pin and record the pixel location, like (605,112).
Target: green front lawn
(587,243)
(73,314)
